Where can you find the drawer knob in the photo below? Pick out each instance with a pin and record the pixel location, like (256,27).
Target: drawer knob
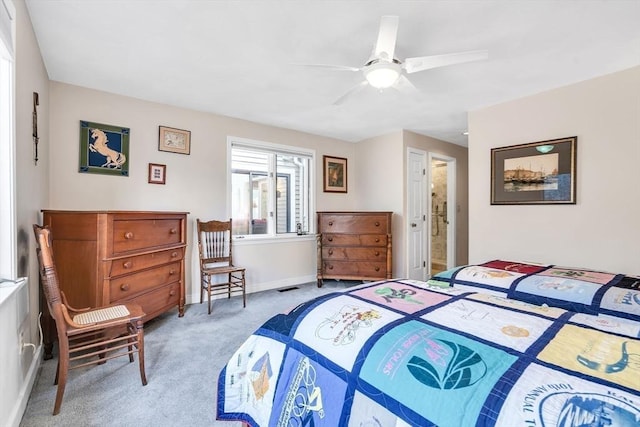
(174,254)
(172,272)
(377,253)
(125,287)
(377,268)
(172,292)
(128,235)
(127,264)
(330,267)
(377,239)
(173,231)
(330,239)
(330,251)
(377,223)
(330,223)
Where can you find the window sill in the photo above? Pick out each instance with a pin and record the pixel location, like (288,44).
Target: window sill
(261,240)
(9,287)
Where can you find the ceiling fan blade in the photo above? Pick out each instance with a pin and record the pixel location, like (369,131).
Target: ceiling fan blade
(386,43)
(357,88)
(421,63)
(330,67)
(404,85)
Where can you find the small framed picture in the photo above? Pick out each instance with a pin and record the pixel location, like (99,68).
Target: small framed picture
(335,174)
(157,173)
(174,140)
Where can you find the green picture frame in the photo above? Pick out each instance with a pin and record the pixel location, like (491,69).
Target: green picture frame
(104,149)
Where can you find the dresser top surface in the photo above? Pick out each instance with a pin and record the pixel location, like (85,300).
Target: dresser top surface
(111,212)
(354,212)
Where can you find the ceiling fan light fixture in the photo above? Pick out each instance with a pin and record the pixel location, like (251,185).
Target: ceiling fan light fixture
(382,75)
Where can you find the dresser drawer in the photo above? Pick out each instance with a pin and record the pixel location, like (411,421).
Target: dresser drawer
(136,263)
(131,235)
(354,253)
(355,268)
(354,240)
(158,300)
(373,224)
(125,287)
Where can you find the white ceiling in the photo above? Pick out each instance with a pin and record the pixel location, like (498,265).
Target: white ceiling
(239,58)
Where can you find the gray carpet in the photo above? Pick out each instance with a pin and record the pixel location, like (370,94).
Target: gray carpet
(183,358)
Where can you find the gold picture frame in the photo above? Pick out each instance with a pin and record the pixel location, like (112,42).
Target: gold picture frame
(334,174)
(174,140)
(537,173)
(157,173)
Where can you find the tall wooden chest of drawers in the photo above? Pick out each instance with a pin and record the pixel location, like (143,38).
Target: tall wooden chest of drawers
(354,246)
(104,257)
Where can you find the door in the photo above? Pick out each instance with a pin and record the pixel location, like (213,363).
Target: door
(442,209)
(416,214)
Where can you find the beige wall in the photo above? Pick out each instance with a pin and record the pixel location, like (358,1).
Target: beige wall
(196,183)
(432,145)
(602,230)
(378,186)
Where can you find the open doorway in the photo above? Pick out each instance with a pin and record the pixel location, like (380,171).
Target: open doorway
(442,211)
(431,213)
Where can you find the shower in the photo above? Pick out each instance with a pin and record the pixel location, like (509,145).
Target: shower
(439,215)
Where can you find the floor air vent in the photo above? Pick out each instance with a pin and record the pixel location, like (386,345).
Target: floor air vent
(287,289)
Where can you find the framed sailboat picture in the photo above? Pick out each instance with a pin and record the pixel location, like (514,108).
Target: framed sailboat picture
(535,173)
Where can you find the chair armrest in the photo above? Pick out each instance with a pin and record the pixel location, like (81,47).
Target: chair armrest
(69,320)
(66,304)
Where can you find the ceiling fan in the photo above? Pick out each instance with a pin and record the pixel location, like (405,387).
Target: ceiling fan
(383,70)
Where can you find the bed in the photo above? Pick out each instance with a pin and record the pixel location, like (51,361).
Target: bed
(495,344)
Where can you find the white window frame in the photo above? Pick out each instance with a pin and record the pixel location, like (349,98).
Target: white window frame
(8,245)
(279,149)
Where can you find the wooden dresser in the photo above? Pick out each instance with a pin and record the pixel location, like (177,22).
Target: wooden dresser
(103,257)
(354,246)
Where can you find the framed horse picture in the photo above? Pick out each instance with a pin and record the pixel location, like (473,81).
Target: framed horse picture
(104,149)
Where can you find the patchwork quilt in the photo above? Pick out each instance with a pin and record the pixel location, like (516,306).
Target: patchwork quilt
(410,353)
(576,289)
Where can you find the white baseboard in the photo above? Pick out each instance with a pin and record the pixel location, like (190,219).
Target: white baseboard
(25,391)
(259,287)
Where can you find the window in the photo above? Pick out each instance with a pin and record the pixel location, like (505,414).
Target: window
(8,263)
(270,188)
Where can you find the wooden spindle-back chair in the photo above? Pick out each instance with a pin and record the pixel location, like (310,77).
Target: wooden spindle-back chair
(215,247)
